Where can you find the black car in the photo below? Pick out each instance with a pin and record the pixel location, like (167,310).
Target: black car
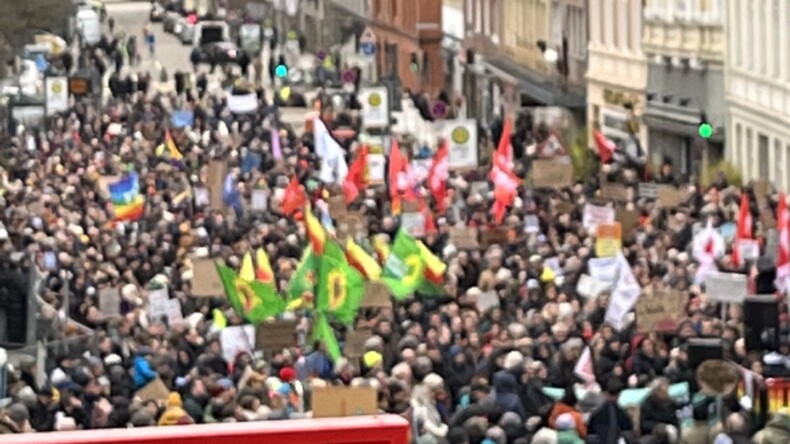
(221,53)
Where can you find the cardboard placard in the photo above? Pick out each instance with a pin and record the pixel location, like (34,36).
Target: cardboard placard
(410,206)
(487,301)
(157,303)
(155,390)
(608,239)
(551,173)
(615,192)
(464,238)
(628,219)
(493,236)
(355,342)
(767,219)
(201,196)
(669,196)
(660,311)
(726,287)
(205,279)
(338,401)
(596,214)
(648,190)
(276,335)
(413,223)
(337,205)
(217,170)
(376,295)
(352,224)
(110,302)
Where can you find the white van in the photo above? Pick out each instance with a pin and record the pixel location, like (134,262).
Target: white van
(89,25)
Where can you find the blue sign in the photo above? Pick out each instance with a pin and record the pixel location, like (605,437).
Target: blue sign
(182,118)
(367,48)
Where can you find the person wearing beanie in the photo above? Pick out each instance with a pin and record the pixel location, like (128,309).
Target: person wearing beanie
(142,418)
(565,424)
(567,406)
(174,413)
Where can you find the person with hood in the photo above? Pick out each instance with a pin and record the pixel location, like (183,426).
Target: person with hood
(426,419)
(506,394)
(776,431)
(658,407)
(460,372)
(174,413)
(42,414)
(568,406)
(700,432)
(143,371)
(609,421)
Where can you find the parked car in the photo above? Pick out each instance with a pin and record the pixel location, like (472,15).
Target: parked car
(170,21)
(221,53)
(187,35)
(157,13)
(179,26)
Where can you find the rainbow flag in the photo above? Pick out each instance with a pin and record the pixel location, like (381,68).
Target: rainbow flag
(127,201)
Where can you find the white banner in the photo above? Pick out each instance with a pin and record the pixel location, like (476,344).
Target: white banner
(413,223)
(726,287)
(624,297)
(375,107)
(377,164)
(461,136)
(57,94)
(594,215)
(242,104)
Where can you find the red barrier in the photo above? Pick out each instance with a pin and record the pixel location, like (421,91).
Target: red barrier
(383,429)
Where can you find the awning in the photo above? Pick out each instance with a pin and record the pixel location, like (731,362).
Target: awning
(683,123)
(543,89)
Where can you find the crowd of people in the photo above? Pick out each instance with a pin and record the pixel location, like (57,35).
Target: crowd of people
(506,373)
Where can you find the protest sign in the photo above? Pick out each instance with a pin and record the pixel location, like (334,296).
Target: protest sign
(749,249)
(276,335)
(217,170)
(590,287)
(155,390)
(110,302)
(609,239)
(487,301)
(338,401)
(551,173)
(259,200)
(605,269)
(531,224)
(205,279)
(669,196)
(648,190)
(354,346)
(413,223)
(493,236)
(614,192)
(157,303)
(595,214)
(237,339)
(337,205)
(376,295)
(464,238)
(660,311)
(376,167)
(352,224)
(629,220)
(174,314)
(726,287)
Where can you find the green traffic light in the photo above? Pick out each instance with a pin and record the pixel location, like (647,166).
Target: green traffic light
(705,130)
(281,71)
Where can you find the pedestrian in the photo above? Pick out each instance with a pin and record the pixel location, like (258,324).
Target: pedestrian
(194,58)
(244,64)
(111,24)
(150,40)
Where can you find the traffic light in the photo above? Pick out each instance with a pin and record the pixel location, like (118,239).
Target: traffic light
(414,64)
(705,129)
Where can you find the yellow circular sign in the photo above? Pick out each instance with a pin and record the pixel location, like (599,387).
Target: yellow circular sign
(375,100)
(337,290)
(460,135)
(57,87)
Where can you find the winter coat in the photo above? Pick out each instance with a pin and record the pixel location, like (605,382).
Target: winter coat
(607,423)
(8,427)
(143,372)
(559,409)
(505,394)
(777,431)
(656,410)
(569,437)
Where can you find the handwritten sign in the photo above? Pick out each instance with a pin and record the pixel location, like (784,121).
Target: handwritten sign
(217,170)
(355,342)
(648,190)
(726,287)
(205,279)
(337,401)
(660,311)
(551,173)
(494,236)
(669,196)
(614,192)
(377,295)
(464,238)
(110,302)
(276,335)
(609,239)
(595,214)
(413,223)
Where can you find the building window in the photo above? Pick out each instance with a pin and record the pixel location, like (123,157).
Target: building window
(577,24)
(747,155)
(776,42)
(737,45)
(623,24)
(608,23)
(749,9)
(486,17)
(778,176)
(495,28)
(738,148)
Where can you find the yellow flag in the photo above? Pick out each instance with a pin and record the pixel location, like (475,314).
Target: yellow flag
(220,321)
(247,272)
(432,262)
(362,261)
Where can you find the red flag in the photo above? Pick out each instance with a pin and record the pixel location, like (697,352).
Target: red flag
(743,230)
(505,150)
(605,146)
(355,179)
(293,199)
(438,175)
(400,178)
(505,181)
(783,250)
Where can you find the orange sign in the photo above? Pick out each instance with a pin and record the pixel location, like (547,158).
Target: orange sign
(608,239)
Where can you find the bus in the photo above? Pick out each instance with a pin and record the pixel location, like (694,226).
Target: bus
(379,429)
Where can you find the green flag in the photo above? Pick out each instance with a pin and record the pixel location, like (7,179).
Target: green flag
(404,270)
(252,300)
(324,333)
(304,280)
(340,287)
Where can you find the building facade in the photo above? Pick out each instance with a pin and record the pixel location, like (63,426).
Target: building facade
(510,40)
(684,45)
(408,42)
(757,84)
(617,70)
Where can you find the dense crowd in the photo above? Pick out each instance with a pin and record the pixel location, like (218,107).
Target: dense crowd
(459,371)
